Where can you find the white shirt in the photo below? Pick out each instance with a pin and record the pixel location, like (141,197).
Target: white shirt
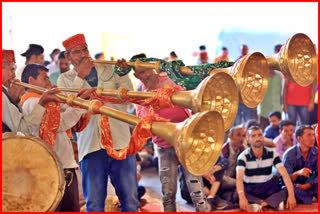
(16,121)
(52,68)
(68,118)
(89,140)
(19,72)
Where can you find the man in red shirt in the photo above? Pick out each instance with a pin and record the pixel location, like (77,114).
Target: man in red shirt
(298,101)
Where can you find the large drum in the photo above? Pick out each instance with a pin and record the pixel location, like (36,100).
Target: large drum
(32,177)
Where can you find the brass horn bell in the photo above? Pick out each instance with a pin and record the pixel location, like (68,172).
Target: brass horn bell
(297,60)
(251,75)
(217,92)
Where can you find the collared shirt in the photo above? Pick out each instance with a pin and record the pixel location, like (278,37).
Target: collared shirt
(271,132)
(294,161)
(281,145)
(258,170)
(272,99)
(89,140)
(15,120)
(231,155)
(68,118)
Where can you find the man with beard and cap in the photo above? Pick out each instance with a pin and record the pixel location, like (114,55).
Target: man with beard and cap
(96,164)
(34,54)
(254,180)
(12,116)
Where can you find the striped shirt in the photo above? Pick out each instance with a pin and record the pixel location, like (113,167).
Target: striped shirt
(258,170)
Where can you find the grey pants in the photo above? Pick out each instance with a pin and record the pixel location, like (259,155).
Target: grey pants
(168,170)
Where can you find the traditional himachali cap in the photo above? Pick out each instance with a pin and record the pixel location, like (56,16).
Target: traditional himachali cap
(8,56)
(74,41)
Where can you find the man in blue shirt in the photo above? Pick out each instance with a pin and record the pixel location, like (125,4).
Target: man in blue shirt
(272,131)
(301,162)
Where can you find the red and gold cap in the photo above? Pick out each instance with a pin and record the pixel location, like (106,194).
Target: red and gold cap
(74,41)
(8,56)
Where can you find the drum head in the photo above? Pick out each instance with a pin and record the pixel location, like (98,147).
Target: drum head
(32,179)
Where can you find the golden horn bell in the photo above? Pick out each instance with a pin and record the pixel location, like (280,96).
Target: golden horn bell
(297,60)
(198,140)
(217,92)
(251,75)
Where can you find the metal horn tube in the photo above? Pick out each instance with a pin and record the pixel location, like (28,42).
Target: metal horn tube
(138,64)
(217,92)
(197,141)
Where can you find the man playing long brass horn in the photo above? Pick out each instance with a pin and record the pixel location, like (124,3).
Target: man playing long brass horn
(12,117)
(55,130)
(95,164)
(169,163)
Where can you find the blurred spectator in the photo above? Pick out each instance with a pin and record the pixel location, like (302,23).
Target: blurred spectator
(223,55)
(272,99)
(53,66)
(64,66)
(34,54)
(272,131)
(99,56)
(244,51)
(298,101)
(231,151)
(286,139)
(203,55)
(173,56)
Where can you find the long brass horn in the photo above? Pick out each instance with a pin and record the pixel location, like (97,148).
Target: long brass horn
(217,92)
(250,73)
(197,141)
(297,60)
